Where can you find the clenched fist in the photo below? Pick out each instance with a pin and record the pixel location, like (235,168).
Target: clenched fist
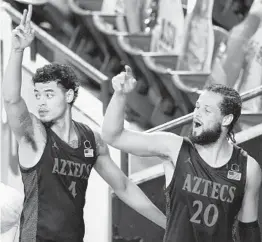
(124,82)
(23,34)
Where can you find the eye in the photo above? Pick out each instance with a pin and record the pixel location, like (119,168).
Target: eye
(49,95)
(207,110)
(37,96)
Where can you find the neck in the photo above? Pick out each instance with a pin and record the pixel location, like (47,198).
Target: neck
(216,154)
(63,126)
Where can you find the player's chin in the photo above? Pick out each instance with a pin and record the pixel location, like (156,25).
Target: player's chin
(45,119)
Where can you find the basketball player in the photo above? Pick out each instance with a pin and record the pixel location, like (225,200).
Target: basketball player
(209,181)
(11,204)
(56,153)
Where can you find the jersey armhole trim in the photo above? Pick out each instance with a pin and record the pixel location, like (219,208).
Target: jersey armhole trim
(184,142)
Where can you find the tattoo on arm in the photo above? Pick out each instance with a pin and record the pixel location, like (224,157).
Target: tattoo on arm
(101,147)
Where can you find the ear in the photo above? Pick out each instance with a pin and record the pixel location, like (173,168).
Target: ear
(227,120)
(70,96)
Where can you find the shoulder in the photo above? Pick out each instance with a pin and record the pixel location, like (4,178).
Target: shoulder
(85,129)
(252,165)
(169,139)
(185,144)
(254,172)
(83,126)
(97,136)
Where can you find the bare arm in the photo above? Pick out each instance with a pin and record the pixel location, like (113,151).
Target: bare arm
(249,210)
(127,191)
(18,115)
(137,143)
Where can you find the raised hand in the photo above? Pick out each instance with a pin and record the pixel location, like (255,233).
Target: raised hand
(124,82)
(23,34)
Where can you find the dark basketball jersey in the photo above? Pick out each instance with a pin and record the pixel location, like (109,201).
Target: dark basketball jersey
(202,201)
(55,189)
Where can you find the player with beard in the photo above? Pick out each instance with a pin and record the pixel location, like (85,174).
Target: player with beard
(211,184)
(56,153)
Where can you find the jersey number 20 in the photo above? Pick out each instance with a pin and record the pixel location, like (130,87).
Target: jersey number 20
(206,215)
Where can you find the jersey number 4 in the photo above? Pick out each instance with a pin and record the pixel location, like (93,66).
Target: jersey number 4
(72,188)
(209,214)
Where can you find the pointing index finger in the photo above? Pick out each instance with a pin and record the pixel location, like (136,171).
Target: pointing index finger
(128,70)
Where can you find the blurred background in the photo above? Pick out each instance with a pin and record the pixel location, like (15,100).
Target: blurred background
(174,47)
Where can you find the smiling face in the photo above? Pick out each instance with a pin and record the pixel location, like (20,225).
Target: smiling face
(51,101)
(208,120)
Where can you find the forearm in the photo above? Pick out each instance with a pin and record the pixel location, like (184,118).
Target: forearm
(114,118)
(136,199)
(12,79)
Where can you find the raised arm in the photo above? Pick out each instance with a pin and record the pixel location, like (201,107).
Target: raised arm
(28,130)
(137,143)
(19,118)
(248,216)
(126,190)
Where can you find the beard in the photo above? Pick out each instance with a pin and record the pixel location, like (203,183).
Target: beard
(207,137)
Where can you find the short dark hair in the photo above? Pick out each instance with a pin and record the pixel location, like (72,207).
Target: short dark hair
(60,73)
(231,104)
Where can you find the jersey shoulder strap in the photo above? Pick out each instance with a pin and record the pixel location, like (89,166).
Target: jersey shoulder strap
(87,135)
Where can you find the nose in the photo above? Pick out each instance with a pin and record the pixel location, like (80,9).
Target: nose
(197,113)
(41,101)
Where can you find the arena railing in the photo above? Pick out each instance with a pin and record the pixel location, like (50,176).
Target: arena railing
(70,56)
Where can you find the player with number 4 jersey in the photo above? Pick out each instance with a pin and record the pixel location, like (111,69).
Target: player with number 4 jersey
(211,184)
(56,153)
